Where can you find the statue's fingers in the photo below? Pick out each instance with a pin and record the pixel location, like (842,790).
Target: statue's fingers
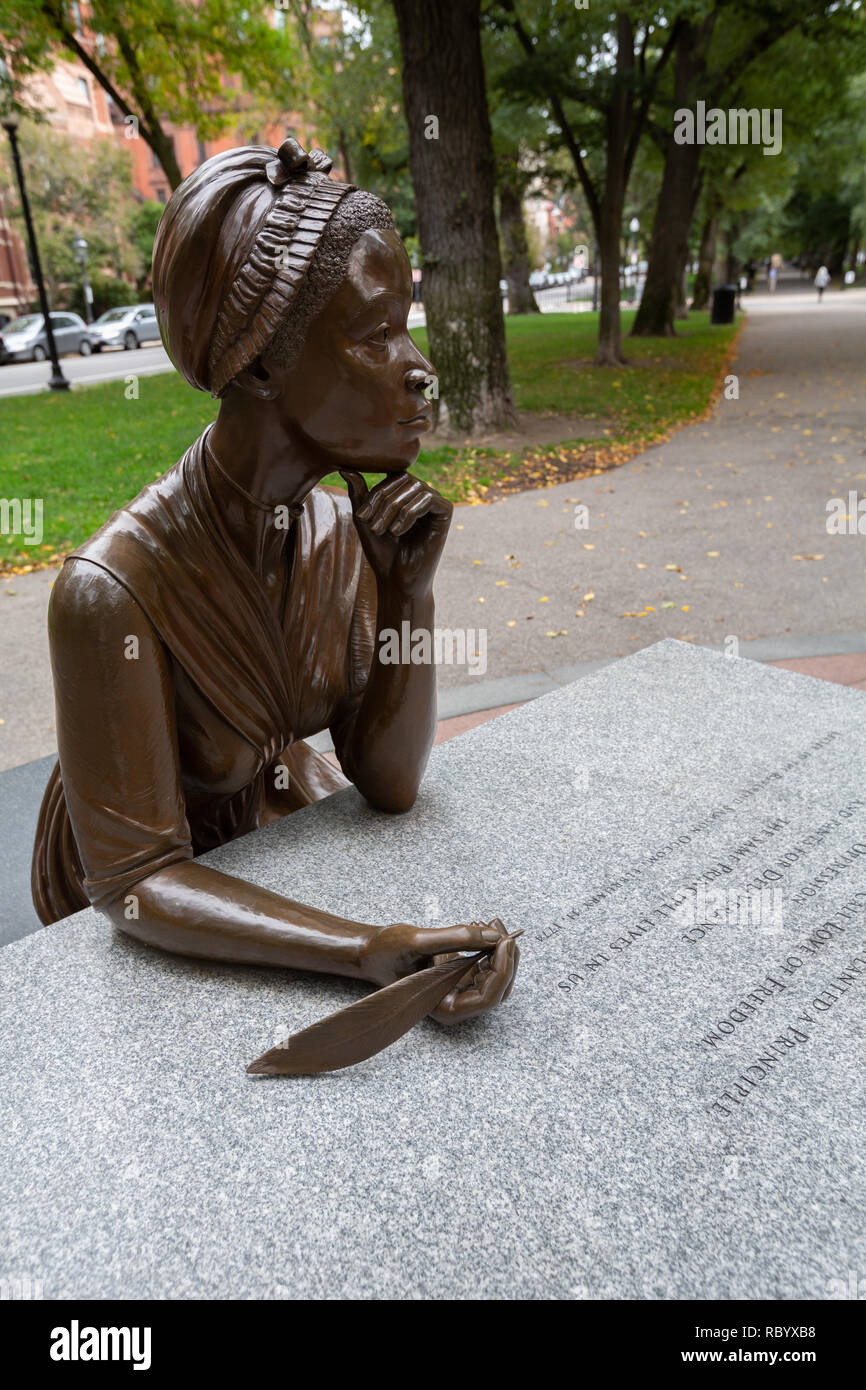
(356,483)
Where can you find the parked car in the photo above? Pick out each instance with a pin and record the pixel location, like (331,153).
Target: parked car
(24,340)
(128,327)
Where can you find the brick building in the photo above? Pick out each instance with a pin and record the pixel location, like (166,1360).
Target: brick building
(75,104)
(17,291)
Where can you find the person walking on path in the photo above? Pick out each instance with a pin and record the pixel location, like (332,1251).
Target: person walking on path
(773,271)
(822,280)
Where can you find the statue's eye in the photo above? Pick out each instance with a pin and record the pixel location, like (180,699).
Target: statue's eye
(379,339)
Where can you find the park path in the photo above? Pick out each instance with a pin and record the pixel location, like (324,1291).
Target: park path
(719,532)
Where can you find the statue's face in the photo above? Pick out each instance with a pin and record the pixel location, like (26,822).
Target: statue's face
(356,388)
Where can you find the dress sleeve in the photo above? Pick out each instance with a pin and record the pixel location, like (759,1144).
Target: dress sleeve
(116,733)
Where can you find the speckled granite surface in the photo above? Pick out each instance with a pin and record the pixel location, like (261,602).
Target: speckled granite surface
(579,1143)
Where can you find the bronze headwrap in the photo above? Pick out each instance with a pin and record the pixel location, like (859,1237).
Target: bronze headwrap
(231,252)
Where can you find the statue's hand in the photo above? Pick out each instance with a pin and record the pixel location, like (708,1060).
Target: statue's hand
(490,984)
(399,950)
(402,524)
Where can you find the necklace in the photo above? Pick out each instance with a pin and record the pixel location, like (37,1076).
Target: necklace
(292,513)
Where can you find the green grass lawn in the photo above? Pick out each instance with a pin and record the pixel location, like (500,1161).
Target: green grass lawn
(88,451)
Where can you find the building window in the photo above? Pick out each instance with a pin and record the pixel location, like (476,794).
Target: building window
(202,152)
(76,17)
(160,195)
(84,90)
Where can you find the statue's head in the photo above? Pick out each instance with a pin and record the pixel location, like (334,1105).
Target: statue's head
(274,281)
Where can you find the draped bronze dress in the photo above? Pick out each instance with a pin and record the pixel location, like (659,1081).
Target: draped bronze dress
(167,756)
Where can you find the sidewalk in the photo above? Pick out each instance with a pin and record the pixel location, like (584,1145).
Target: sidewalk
(719,532)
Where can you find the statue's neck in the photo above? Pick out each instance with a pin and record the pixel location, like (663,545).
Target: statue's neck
(259,480)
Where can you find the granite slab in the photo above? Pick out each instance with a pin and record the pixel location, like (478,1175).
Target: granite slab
(669,1106)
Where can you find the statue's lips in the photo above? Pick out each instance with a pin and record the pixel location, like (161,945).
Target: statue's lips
(421,421)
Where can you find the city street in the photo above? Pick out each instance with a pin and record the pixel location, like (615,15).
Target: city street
(25,378)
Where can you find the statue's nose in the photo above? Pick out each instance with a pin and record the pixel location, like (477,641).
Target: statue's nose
(416,378)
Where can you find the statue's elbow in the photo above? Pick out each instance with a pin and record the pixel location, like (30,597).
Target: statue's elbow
(396,800)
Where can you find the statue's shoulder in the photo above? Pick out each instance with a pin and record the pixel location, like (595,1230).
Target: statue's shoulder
(157,500)
(126,556)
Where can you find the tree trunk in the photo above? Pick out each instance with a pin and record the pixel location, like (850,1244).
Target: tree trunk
(345,157)
(163,147)
(706,261)
(609,351)
(609,221)
(853,254)
(515,248)
(669,244)
(676,201)
(732,264)
(149,124)
(681,309)
(453,174)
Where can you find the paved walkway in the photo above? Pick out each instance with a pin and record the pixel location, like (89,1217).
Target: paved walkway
(719,532)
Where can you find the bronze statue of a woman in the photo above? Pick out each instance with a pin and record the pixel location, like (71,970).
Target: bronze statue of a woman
(234,607)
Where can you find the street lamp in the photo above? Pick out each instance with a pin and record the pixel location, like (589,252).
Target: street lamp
(79,246)
(9,120)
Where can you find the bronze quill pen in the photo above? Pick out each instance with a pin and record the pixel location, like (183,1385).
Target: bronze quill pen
(369,1025)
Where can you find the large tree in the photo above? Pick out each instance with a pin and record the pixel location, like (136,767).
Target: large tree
(598,72)
(453,173)
(723,49)
(160,61)
(512,182)
(679,188)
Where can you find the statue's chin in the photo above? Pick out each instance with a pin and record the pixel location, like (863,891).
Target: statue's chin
(390,460)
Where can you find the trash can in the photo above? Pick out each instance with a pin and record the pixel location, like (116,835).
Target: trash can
(724,304)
